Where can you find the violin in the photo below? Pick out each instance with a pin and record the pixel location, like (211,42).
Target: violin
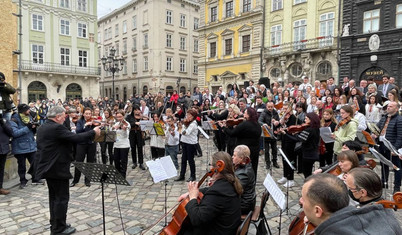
(343,122)
(234,122)
(297,128)
(180,217)
(396,204)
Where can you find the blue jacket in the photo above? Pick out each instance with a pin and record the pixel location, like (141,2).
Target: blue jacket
(394,129)
(23,138)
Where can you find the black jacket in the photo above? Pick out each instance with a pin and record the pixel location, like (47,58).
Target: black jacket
(245,174)
(310,138)
(267,116)
(54,149)
(217,213)
(247,133)
(394,130)
(5,133)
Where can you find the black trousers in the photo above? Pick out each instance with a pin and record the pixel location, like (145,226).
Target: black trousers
(136,143)
(109,147)
(188,156)
(3,158)
(267,143)
(88,151)
(121,160)
(308,167)
(288,150)
(59,195)
(22,170)
(157,152)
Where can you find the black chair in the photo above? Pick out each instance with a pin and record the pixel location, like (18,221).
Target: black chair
(243,228)
(258,213)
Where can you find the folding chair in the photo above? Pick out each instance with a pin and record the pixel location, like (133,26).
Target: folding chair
(258,213)
(243,228)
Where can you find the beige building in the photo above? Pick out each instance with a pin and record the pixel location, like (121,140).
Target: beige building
(158,42)
(301,39)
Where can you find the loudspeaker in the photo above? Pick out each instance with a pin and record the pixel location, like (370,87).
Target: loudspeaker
(246,84)
(265,81)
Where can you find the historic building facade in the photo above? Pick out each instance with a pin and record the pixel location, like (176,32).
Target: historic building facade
(230,42)
(159,45)
(59,55)
(371,40)
(301,39)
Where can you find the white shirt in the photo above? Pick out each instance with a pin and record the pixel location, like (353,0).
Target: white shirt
(122,140)
(145,111)
(361,120)
(374,116)
(172,140)
(189,134)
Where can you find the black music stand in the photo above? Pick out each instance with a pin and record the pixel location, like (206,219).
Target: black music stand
(101,173)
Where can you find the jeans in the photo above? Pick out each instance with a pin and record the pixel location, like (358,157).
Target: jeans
(22,170)
(385,169)
(172,151)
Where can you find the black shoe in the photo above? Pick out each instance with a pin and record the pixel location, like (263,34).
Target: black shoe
(23,185)
(275,164)
(268,166)
(191,179)
(68,230)
(88,184)
(134,166)
(180,178)
(142,167)
(38,182)
(72,184)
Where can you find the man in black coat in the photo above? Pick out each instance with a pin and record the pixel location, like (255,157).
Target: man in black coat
(54,151)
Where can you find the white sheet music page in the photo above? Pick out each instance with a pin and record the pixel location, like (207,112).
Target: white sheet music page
(169,167)
(161,169)
(275,192)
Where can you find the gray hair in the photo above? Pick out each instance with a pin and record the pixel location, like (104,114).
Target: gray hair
(372,85)
(56,110)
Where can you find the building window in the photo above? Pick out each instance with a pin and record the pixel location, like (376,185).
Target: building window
(65,3)
(65,56)
(296,70)
(276,35)
(214,14)
(145,40)
(196,23)
(134,65)
(182,20)
(37,22)
(37,54)
(169,40)
(145,17)
(169,17)
(134,22)
(82,30)
(275,72)
(228,46)
(246,5)
(399,16)
(125,26)
(212,49)
(371,21)
(195,68)
(109,33)
(116,30)
(325,68)
(64,27)
(326,29)
(134,43)
(182,43)
(245,43)
(229,9)
(82,5)
(169,63)
(299,31)
(124,68)
(82,58)
(145,63)
(195,45)
(299,1)
(117,47)
(124,46)
(277,5)
(182,65)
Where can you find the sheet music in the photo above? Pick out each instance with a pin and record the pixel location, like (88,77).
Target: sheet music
(203,133)
(146,125)
(161,169)
(325,133)
(275,192)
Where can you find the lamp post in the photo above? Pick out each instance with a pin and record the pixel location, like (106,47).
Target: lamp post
(112,64)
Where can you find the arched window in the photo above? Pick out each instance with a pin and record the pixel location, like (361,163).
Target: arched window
(134,90)
(325,68)
(169,90)
(275,73)
(73,91)
(183,90)
(145,90)
(296,69)
(124,94)
(36,90)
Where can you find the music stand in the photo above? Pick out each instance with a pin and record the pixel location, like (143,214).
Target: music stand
(101,173)
(287,188)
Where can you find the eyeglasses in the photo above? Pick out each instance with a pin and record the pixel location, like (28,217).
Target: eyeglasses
(354,189)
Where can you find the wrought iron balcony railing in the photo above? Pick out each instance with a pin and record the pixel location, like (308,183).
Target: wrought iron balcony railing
(325,42)
(27,65)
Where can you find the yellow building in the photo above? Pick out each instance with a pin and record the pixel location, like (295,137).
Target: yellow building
(301,39)
(230,42)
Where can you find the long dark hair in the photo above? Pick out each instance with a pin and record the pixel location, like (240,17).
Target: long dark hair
(228,171)
(314,120)
(252,115)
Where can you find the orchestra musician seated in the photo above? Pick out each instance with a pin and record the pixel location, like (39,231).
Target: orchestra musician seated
(219,210)
(364,186)
(244,172)
(325,202)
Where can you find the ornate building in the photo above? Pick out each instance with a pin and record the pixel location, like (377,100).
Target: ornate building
(158,42)
(371,41)
(59,56)
(301,39)
(230,48)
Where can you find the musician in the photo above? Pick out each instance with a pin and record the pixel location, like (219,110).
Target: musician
(325,202)
(391,128)
(109,120)
(189,141)
(326,150)
(234,113)
(267,117)
(122,144)
(364,186)
(346,128)
(144,110)
(248,133)
(221,114)
(86,149)
(219,210)
(288,143)
(172,140)
(361,118)
(244,172)
(136,137)
(157,142)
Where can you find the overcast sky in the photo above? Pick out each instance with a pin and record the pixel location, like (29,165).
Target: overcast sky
(107,6)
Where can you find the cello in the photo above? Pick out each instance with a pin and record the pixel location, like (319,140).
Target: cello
(180,218)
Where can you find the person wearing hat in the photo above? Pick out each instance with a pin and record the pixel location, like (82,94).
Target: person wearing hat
(6,103)
(23,143)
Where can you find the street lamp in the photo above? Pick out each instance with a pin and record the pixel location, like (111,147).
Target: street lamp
(112,64)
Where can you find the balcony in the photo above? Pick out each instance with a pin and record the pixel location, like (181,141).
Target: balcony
(27,65)
(307,45)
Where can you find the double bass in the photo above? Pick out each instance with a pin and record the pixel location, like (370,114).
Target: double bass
(180,218)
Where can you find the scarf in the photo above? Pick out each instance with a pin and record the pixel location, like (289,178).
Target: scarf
(24,118)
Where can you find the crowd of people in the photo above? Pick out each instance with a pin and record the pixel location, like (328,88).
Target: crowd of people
(246,122)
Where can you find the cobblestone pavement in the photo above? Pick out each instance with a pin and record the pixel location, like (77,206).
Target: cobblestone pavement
(142,204)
